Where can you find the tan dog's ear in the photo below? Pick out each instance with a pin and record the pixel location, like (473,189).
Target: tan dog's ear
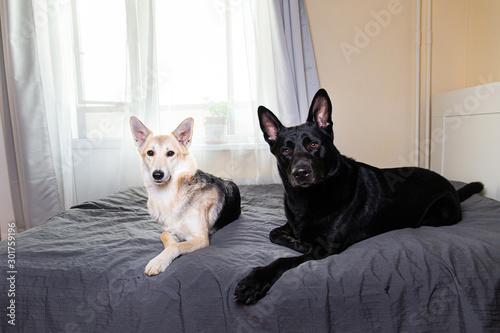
(184,132)
(139,131)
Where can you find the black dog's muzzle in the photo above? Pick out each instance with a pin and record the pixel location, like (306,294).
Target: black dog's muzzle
(304,171)
(301,173)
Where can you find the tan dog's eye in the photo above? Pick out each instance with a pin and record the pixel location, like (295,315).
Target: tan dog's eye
(150,153)
(170,153)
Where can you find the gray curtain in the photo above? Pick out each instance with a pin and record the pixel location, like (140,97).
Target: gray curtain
(300,51)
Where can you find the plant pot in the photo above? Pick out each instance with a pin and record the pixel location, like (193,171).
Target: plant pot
(215,130)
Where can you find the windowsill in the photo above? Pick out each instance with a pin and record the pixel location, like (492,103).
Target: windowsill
(228,146)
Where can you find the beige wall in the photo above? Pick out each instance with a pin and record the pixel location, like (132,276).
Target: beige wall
(449,45)
(365,59)
(372,80)
(466,45)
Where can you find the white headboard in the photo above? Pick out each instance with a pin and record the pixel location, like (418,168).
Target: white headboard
(465,136)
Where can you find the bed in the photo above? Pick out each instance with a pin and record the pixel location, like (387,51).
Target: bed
(82,271)
(457,151)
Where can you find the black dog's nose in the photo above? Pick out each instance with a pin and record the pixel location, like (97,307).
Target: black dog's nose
(158,174)
(301,173)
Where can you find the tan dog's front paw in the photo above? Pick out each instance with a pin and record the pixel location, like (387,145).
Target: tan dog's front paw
(156,266)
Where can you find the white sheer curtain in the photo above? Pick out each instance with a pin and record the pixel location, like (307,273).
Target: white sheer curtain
(36,43)
(77,70)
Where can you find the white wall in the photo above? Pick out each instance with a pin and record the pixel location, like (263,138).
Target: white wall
(6,208)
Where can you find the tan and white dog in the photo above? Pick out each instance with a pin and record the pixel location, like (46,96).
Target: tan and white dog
(189,203)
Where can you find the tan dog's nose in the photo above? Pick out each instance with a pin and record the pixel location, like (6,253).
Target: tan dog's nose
(158,175)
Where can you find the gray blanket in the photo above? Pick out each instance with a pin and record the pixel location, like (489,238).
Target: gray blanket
(83,271)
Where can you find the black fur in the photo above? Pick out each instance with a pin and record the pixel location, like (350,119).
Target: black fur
(228,197)
(332,201)
(468,190)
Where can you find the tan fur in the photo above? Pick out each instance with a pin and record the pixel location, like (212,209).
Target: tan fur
(186,226)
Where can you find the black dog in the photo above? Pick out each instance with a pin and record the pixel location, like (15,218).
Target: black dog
(332,201)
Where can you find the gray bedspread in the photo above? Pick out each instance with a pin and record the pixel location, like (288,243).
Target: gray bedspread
(83,271)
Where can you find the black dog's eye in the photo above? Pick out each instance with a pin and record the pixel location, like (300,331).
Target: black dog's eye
(314,144)
(285,151)
(150,153)
(170,153)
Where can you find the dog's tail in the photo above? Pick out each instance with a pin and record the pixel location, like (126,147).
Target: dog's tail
(468,190)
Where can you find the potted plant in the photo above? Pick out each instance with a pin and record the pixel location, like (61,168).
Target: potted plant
(215,124)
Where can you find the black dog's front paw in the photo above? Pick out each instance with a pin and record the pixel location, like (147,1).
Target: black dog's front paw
(253,287)
(283,236)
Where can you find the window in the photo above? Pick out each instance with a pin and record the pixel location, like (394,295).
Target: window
(101,64)
(199,60)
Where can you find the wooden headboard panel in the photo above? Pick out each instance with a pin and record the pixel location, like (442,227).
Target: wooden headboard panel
(465,136)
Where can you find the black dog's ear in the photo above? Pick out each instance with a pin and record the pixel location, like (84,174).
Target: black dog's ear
(320,112)
(269,124)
